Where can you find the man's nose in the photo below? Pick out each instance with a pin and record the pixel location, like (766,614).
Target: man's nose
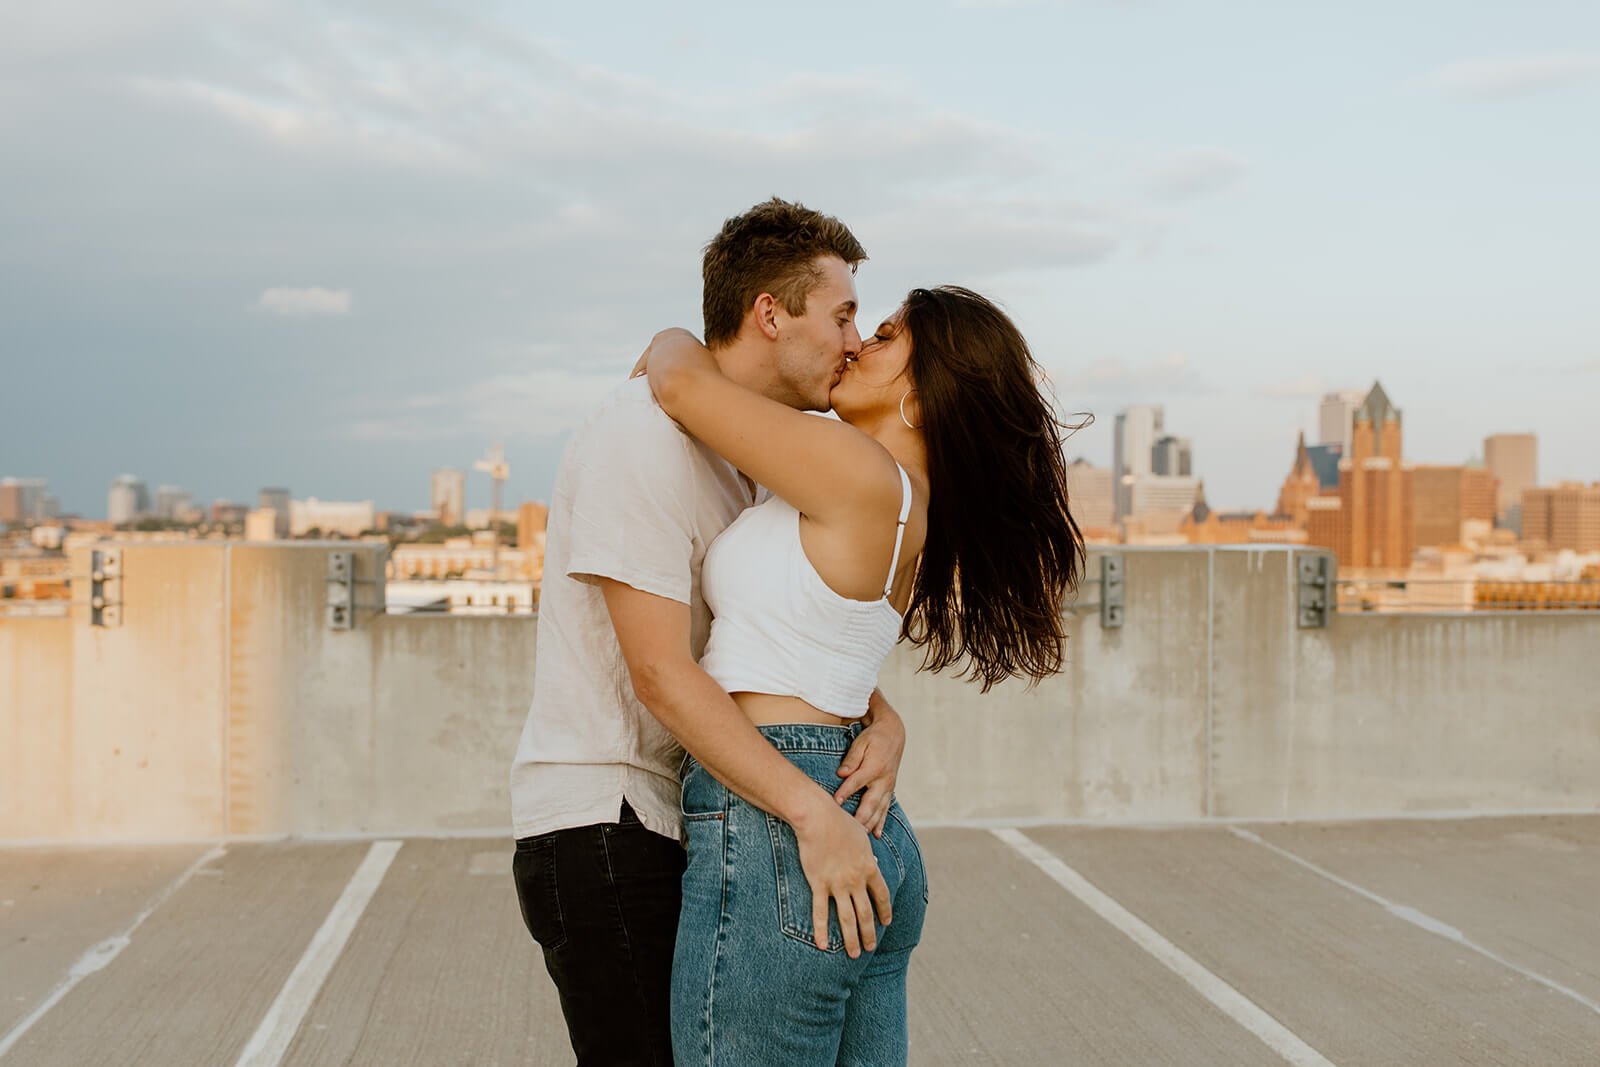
(852,341)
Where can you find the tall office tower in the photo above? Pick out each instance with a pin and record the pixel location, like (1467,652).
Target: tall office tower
(277,499)
(172,502)
(1137,429)
(1089,495)
(1565,516)
(1513,458)
(449,495)
(1335,417)
(1172,456)
(1446,499)
(128,501)
(1375,488)
(26,500)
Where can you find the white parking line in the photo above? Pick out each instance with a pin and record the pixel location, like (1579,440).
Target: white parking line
(1418,919)
(1227,999)
(98,957)
(271,1039)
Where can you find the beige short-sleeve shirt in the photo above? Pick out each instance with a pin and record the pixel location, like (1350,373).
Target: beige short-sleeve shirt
(636,500)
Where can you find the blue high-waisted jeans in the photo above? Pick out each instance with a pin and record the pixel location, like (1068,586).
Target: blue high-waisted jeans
(749,985)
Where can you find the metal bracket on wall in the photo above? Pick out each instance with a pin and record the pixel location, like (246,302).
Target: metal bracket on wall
(341,590)
(1316,579)
(105,587)
(1112,601)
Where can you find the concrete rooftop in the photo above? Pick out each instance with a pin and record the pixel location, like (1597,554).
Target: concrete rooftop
(1398,942)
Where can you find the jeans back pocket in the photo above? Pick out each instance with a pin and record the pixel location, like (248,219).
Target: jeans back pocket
(794,892)
(534,870)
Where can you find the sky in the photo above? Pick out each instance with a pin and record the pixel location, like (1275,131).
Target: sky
(335,246)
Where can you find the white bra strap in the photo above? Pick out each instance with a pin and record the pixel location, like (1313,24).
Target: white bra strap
(900,532)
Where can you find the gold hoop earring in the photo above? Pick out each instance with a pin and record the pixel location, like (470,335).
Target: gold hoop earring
(903,418)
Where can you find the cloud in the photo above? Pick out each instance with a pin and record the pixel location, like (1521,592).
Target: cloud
(1306,386)
(948,238)
(1513,76)
(1196,172)
(486,190)
(513,406)
(299,303)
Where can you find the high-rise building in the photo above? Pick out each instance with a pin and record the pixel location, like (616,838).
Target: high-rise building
(1309,500)
(128,500)
(1375,488)
(26,500)
(1513,459)
(1172,456)
(173,503)
(1335,417)
(1564,516)
(449,495)
(1446,499)
(1089,495)
(1137,429)
(277,499)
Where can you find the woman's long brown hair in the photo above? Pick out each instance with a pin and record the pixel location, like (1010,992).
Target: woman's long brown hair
(1002,550)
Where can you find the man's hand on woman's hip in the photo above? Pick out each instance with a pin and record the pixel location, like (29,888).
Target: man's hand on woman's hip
(871,767)
(839,864)
(873,764)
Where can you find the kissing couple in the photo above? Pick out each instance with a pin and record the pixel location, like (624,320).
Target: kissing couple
(708,847)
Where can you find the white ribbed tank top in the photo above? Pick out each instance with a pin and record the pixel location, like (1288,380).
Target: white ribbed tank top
(776,625)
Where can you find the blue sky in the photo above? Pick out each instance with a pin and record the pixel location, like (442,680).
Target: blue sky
(335,246)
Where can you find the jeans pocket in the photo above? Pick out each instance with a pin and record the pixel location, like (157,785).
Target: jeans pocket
(794,892)
(534,870)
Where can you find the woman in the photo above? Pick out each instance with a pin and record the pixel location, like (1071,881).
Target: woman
(934,510)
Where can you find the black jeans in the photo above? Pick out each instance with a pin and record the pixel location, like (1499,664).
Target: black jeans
(602,902)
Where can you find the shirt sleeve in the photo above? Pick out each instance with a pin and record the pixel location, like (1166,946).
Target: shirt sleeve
(631,511)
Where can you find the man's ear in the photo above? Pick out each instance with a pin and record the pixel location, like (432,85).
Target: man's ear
(766,315)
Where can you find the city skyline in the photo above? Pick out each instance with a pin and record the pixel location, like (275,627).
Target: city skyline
(1152,438)
(249,246)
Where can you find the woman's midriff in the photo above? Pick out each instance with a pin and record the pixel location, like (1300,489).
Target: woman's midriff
(768,709)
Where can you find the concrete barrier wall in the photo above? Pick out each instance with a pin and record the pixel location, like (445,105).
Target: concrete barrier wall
(1119,734)
(224,705)
(1394,714)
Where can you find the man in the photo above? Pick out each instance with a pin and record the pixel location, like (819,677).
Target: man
(622,624)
